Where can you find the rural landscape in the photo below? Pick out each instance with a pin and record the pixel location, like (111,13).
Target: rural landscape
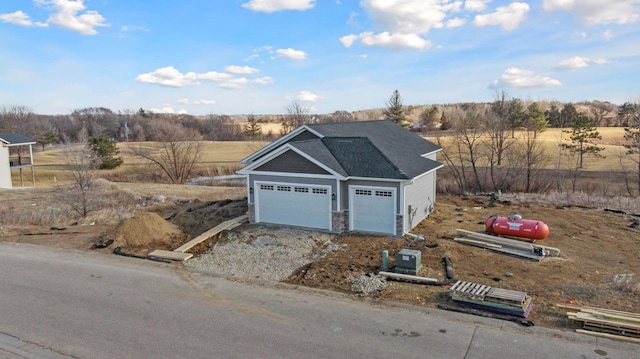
(132,183)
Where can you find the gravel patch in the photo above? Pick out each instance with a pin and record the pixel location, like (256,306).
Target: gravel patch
(368,284)
(267,253)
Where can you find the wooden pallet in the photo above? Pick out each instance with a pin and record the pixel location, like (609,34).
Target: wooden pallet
(490,298)
(605,322)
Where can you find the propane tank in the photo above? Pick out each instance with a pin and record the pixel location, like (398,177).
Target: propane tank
(516,226)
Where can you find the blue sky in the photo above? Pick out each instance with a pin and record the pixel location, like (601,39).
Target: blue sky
(259,56)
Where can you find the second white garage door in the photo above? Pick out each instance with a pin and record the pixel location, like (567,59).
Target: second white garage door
(372,209)
(293,205)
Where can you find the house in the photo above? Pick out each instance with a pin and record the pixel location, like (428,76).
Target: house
(15,160)
(366,176)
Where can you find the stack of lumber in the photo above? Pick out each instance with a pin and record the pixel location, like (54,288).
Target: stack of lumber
(491,299)
(508,246)
(606,323)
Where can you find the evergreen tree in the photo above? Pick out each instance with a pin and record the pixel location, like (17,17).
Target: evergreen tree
(395,110)
(252,128)
(535,119)
(106,152)
(582,134)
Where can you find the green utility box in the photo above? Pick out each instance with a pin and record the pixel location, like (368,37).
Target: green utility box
(408,261)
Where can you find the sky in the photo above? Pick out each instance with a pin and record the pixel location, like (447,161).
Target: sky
(203,57)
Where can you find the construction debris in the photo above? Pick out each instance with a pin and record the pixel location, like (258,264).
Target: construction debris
(179,254)
(604,322)
(409,278)
(491,299)
(506,245)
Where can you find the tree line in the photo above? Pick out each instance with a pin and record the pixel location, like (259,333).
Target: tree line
(487,146)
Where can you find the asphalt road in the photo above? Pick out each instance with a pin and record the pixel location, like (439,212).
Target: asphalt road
(71,304)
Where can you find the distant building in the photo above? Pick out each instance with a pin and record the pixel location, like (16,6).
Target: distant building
(18,160)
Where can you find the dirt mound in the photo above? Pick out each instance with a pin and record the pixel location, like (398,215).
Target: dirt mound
(143,233)
(195,217)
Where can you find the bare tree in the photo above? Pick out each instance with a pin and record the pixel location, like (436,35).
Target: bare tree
(81,196)
(469,131)
(534,156)
(296,116)
(176,151)
(340,116)
(632,133)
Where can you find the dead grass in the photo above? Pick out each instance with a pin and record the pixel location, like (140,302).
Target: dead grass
(625,283)
(612,141)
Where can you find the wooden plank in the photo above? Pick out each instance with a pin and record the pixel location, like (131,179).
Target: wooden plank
(230,224)
(409,277)
(618,323)
(601,310)
(609,336)
(456,285)
(517,253)
(505,241)
(477,243)
(172,255)
(612,316)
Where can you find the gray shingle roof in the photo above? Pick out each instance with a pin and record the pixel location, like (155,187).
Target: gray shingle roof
(371,149)
(15,139)
(402,149)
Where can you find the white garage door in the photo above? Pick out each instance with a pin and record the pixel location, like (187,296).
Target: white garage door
(294,205)
(372,209)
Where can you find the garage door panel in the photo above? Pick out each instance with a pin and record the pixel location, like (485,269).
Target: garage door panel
(373,209)
(295,205)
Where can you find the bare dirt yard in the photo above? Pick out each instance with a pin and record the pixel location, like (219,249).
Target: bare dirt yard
(598,266)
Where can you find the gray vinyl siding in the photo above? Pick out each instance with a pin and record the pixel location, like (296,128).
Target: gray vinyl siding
(291,162)
(344,190)
(421,196)
(294,180)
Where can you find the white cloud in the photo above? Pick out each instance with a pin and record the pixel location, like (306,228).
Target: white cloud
(263,80)
(608,35)
(168,109)
(307,96)
(509,18)
(170,76)
(71,14)
(186,101)
(388,40)
(598,11)
(455,22)
(20,18)
(476,5)
(514,77)
(579,62)
(409,16)
(348,40)
(573,63)
(279,5)
(352,19)
(292,54)
(241,70)
(235,84)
